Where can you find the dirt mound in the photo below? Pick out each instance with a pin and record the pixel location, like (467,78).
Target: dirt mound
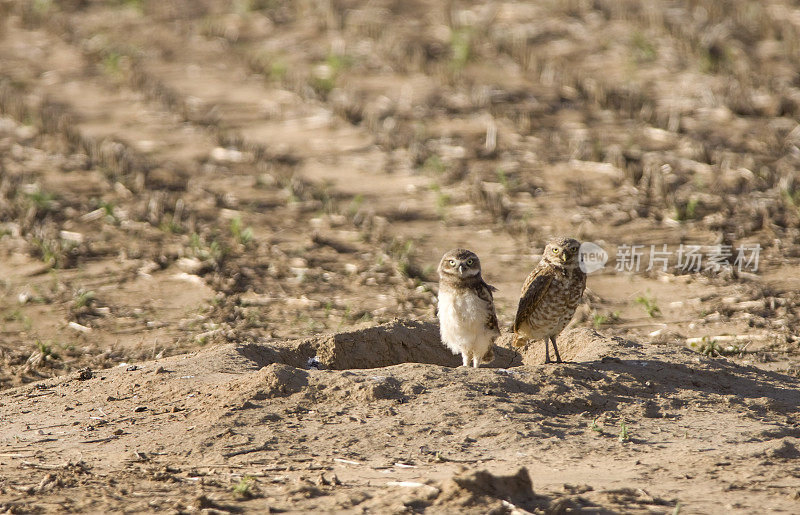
(393,343)
(280,380)
(577,345)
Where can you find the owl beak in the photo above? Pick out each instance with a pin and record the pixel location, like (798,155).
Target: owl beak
(460,269)
(564,257)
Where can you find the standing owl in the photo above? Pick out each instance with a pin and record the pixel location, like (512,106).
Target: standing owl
(550,295)
(467,320)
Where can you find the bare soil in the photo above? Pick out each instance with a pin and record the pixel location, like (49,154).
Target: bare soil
(220,221)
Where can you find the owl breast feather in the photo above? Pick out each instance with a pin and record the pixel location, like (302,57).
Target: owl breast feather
(462,317)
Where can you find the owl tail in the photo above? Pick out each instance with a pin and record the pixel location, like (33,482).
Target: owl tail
(489,356)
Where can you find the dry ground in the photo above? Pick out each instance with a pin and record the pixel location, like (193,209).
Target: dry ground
(191,192)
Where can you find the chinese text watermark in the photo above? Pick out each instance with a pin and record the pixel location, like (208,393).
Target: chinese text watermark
(684,258)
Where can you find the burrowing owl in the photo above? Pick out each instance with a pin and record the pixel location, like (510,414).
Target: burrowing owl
(550,295)
(467,320)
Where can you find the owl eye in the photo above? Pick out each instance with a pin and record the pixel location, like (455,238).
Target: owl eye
(555,251)
(452,262)
(470,261)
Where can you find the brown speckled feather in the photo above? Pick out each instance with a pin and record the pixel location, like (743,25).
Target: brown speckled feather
(484,292)
(533,291)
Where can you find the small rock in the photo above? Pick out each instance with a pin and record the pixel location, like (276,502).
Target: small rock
(189,265)
(78,327)
(71,237)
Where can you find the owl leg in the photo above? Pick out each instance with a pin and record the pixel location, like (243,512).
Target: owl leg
(476,361)
(558,357)
(465,358)
(546,350)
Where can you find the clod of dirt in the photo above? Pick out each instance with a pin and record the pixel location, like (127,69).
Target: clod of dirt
(651,410)
(473,488)
(280,380)
(85,374)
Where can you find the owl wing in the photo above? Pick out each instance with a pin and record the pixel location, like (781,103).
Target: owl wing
(484,292)
(533,292)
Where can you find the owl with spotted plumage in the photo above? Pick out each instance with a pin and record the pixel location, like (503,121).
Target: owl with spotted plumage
(467,319)
(550,295)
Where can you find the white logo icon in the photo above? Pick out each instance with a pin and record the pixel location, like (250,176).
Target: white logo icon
(592,257)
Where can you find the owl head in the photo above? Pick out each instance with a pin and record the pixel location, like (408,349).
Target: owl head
(459,264)
(562,252)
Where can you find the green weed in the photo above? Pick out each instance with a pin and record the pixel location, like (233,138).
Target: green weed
(599,320)
(507,182)
(711,348)
(241,234)
(442,199)
(170,227)
(792,197)
(49,250)
(644,50)
(46,350)
(278,70)
(82,299)
(108,209)
(687,211)
(18,316)
(624,436)
(213,251)
(112,64)
(325,79)
(434,164)
(42,201)
(244,487)
(355,204)
(136,5)
(460,48)
(597,428)
(649,304)
(345,317)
